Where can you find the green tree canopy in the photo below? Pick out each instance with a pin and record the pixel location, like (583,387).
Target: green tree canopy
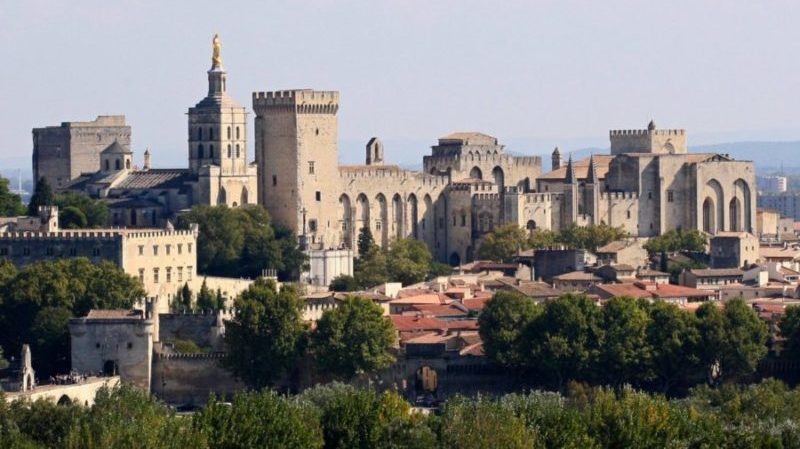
(42,196)
(72,218)
(409,261)
(365,241)
(789,328)
(353,338)
(677,240)
(371,268)
(205,298)
(267,335)
(344,283)
(591,237)
(10,203)
(33,304)
(502,323)
(242,242)
(626,354)
(503,243)
(94,212)
(566,338)
(674,339)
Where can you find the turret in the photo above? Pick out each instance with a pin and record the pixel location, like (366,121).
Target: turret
(374,152)
(556,158)
(569,178)
(146,164)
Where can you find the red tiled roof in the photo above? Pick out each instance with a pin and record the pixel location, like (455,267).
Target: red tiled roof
(476,303)
(404,323)
(648,290)
(435,310)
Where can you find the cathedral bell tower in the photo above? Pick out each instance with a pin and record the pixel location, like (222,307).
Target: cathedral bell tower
(218,125)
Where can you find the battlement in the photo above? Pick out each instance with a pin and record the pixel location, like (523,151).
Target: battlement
(619,195)
(646,132)
(486,197)
(196,356)
(94,234)
(302,101)
(365,173)
(101,120)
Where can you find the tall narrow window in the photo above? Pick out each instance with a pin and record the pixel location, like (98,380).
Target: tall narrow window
(274,180)
(210,133)
(211,151)
(200,151)
(237,151)
(199,133)
(237,133)
(229,133)
(229,151)
(310,167)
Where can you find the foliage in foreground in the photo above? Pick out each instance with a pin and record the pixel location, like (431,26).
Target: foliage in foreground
(757,416)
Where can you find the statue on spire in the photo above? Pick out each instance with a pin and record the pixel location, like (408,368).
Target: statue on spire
(216,59)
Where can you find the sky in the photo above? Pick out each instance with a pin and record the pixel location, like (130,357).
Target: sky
(535,74)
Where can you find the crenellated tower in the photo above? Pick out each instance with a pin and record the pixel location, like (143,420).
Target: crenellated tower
(297,156)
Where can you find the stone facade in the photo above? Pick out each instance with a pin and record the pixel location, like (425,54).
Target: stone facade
(63,153)
(113,342)
(218,173)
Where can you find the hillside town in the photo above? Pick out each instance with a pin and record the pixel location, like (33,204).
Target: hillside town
(472,302)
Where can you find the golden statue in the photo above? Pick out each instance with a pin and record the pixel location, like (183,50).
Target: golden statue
(216,59)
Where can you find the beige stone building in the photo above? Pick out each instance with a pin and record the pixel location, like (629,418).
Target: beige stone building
(219,171)
(163,259)
(648,185)
(62,153)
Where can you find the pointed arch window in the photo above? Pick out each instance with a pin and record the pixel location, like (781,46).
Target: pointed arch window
(229,151)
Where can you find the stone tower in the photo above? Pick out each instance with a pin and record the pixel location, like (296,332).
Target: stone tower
(297,156)
(556,159)
(218,126)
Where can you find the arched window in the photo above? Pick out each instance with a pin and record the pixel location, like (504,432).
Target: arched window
(229,151)
(210,133)
(200,151)
(117,164)
(211,151)
(229,133)
(237,133)
(199,133)
(237,150)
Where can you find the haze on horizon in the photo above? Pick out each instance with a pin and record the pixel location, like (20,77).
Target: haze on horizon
(533,74)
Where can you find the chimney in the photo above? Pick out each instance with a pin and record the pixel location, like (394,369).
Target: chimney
(146,165)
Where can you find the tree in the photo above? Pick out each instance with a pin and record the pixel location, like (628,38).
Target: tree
(205,298)
(260,419)
(733,340)
(483,424)
(674,339)
(542,238)
(677,240)
(10,203)
(72,218)
(42,196)
(591,237)
(183,299)
(30,304)
(242,242)
(789,328)
(365,241)
(566,338)
(502,323)
(353,338)
(371,269)
(94,211)
(409,261)
(267,334)
(344,283)
(625,354)
(439,269)
(503,243)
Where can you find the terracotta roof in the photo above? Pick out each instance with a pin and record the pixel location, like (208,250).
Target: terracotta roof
(476,303)
(650,273)
(577,276)
(437,310)
(534,289)
(462,324)
(469,138)
(716,272)
(773,252)
(638,290)
(581,168)
(404,323)
(428,298)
